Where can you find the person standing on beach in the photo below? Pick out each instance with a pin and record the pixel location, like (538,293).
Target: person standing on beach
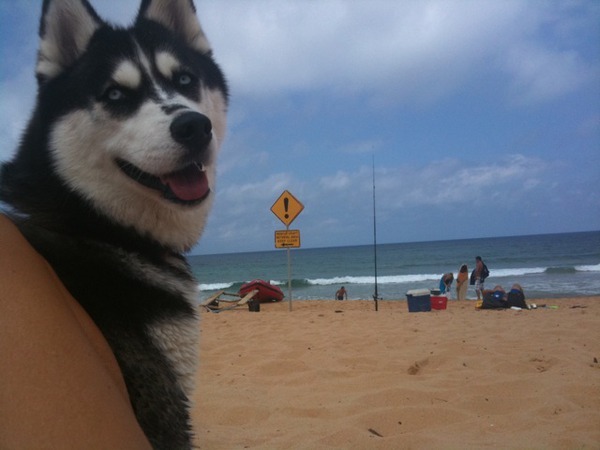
(462,282)
(341,294)
(479,277)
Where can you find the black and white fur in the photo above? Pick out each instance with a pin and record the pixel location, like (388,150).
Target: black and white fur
(114,179)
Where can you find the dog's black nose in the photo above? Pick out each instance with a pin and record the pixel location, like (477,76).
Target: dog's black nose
(192,129)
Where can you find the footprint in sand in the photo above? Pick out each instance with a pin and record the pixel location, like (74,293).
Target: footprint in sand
(417,366)
(542,364)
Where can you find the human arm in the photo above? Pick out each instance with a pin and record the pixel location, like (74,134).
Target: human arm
(60,385)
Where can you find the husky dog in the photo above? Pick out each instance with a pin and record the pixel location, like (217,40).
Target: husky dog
(114,179)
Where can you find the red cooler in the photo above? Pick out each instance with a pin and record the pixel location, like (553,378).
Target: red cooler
(439,302)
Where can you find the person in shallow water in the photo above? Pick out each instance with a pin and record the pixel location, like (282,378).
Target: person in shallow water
(341,294)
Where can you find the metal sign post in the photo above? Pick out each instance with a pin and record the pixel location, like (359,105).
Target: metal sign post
(289,263)
(286,208)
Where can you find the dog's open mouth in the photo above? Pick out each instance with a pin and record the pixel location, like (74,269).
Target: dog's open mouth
(186,186)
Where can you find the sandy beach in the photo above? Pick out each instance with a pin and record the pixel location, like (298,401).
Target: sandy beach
(334,374)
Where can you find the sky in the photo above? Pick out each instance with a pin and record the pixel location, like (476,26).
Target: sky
(481,118)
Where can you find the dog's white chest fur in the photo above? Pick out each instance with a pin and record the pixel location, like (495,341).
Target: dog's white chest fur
(176,337)
(178,340)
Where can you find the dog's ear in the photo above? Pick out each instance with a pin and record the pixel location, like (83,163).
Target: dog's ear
(66,28)
(179,16)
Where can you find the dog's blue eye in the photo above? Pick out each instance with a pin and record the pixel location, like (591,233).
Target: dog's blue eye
(183,79)
(115,94)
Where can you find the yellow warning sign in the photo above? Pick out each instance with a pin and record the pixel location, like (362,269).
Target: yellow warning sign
(287,238)
(287,207)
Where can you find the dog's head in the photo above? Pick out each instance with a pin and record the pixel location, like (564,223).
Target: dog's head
(135,116)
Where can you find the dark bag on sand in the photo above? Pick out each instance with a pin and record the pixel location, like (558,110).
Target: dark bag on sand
(493,300)
(516,298)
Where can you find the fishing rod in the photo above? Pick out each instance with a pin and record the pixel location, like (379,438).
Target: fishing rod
(376,294)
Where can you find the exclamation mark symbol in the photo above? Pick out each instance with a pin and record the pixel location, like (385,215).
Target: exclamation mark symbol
(286,204)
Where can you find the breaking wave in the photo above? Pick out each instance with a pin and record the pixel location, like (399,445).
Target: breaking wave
(401,279)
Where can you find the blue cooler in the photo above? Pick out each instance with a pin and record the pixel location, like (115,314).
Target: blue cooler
(418,300)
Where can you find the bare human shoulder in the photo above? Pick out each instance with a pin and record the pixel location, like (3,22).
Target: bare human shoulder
(60,385)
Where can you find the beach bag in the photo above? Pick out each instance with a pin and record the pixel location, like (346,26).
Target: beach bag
(516,298)
(493,300)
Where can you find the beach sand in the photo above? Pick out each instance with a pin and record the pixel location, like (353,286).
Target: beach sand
(334,374)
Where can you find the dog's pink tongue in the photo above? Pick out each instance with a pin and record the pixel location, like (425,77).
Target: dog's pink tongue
(188,184)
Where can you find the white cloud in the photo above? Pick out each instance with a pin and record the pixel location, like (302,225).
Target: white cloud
(450,182)
(340,206)
(336,182)
(363,146)
(245,193)
(540,74)
(419,50)
(442,183)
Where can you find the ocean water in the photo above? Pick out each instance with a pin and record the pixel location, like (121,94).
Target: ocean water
(551,265)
